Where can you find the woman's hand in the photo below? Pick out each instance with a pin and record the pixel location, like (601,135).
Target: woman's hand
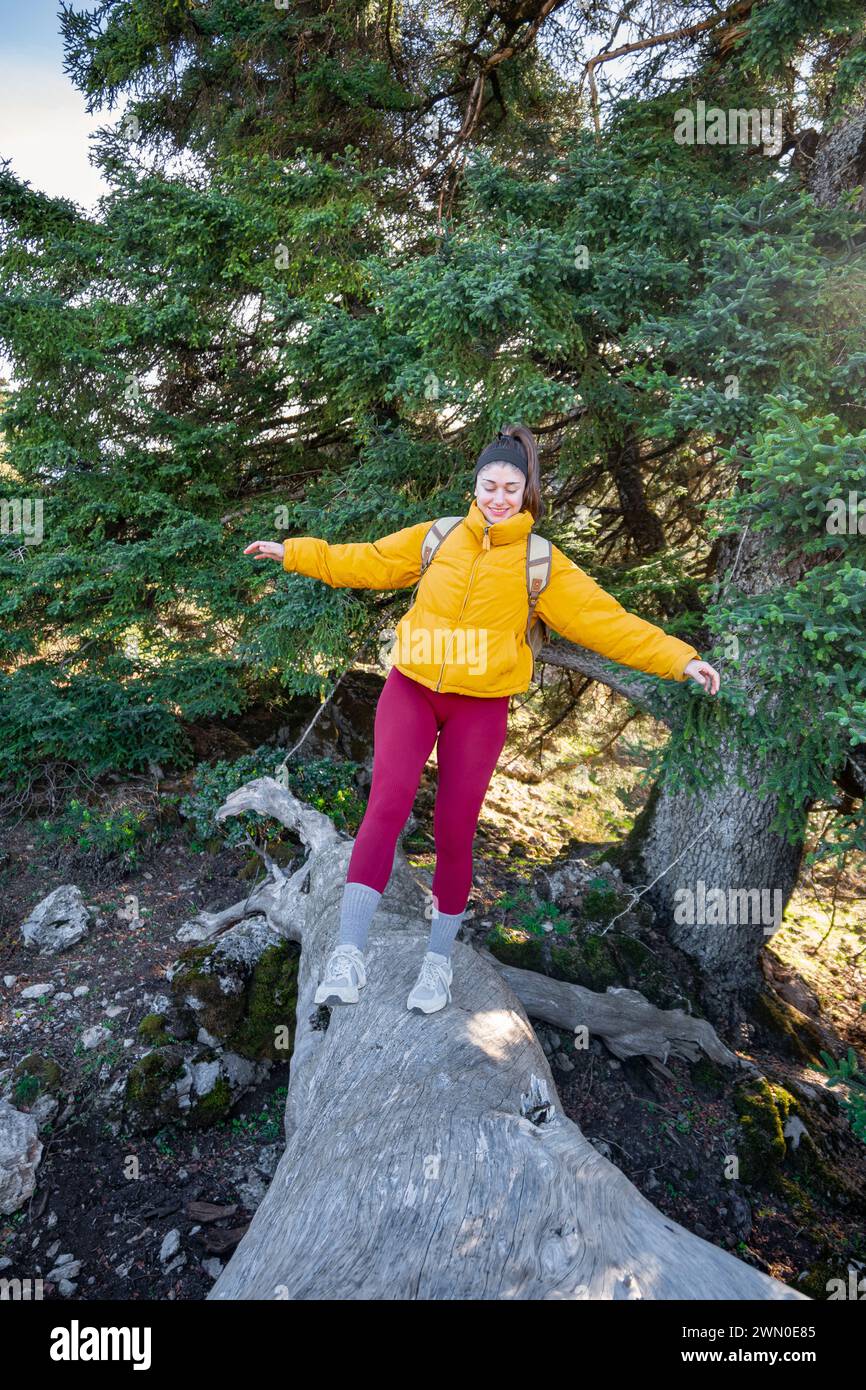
(705,675)
(267,550)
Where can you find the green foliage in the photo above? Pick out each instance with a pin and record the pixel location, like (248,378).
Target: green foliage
(601,901)
(845,1072)
(805,704)
(326,785)
(265,1127)
(25,1090)
(86,719)
(102,837)
(776,32)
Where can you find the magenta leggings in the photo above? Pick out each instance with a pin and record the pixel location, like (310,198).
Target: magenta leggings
(471,731)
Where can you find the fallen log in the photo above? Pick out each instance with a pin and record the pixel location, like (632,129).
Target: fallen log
(428,1157)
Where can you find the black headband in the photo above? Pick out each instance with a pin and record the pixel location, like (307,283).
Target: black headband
(504,449)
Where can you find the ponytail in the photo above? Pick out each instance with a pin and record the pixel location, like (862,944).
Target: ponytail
(532,499)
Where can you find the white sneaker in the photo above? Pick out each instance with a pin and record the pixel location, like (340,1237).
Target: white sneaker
(343,976)
(432,989)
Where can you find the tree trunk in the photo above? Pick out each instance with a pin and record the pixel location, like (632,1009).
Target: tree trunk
(717,841)
(724,879)
(428,1157)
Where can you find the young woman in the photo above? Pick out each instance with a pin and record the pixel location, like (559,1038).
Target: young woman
(459,655)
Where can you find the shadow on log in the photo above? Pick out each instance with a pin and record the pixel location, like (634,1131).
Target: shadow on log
(428,1157)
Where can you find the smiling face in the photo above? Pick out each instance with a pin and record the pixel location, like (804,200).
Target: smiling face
(499,490)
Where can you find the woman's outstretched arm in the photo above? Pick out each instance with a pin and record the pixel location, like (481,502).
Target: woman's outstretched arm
(392,562)
(578,608)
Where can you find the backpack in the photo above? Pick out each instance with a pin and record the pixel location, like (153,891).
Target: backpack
(538,565)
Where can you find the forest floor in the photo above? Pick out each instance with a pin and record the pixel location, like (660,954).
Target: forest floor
(669,1135)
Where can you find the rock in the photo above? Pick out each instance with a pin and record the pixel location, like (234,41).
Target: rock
(587,890)
(151,1094)
(232,1000)
(563,1061)
(794,1129)
(239,989)
(213,1267)
(43,1109)
(38,1074)
(192,933)
(9,980)
(740,1215)
(58,922)
(94,1036)
(65,1267)
(252,1190)
(169,1247)
(269,1158)
(80,991)
(38,991)
(239,1071)
(20,1152)
(205,1076)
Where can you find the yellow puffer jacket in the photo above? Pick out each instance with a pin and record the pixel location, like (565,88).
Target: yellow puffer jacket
(465,632)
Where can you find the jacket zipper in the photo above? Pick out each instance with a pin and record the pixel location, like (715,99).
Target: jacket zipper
(485,545)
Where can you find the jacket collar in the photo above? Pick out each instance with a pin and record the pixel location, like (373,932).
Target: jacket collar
(500,532)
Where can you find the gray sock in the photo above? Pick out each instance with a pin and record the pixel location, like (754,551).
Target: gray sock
(359,904)
(443,930)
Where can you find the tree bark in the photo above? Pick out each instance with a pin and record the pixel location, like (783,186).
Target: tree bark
(428,1157)
(641,523)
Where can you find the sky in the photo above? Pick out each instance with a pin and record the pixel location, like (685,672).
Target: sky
(44,126)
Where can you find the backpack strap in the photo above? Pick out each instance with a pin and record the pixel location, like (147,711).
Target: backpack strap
(436,533)
(441,527)
(539,562)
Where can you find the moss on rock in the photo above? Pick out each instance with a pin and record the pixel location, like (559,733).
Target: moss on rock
(763,1110)
(798,1033)
(152,1030)
(238,1004)
(35,1075)
(584,957)
(150,1098)
(796,1170)
(270,1003)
